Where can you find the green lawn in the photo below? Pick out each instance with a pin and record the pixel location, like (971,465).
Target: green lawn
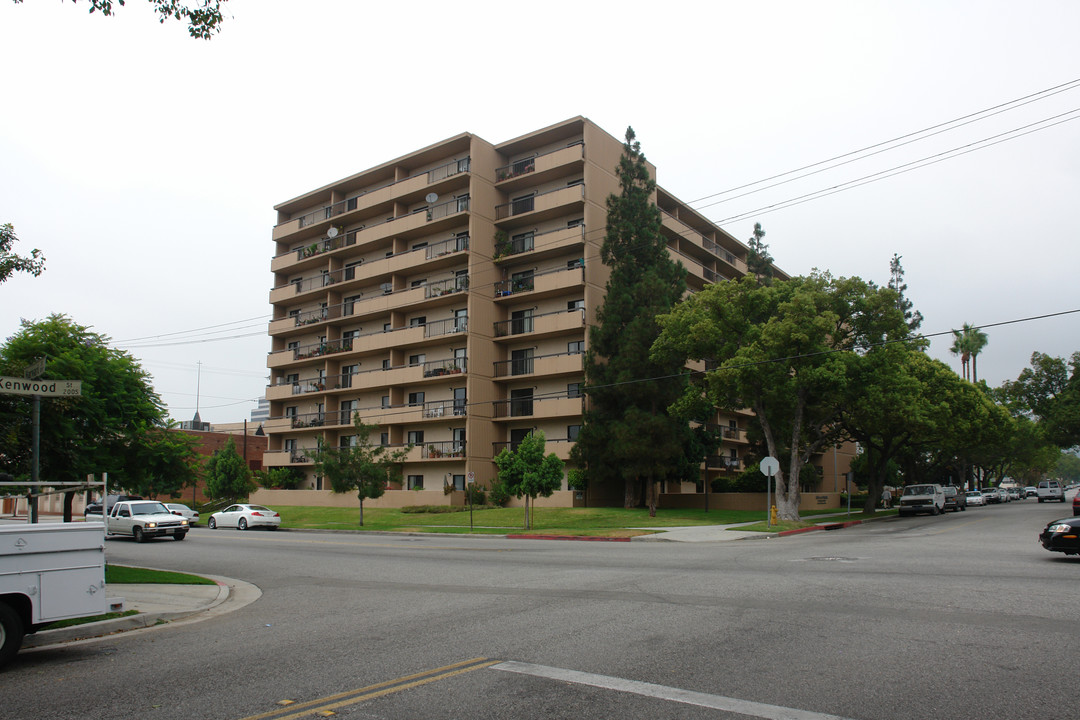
(124,574)
(603,522)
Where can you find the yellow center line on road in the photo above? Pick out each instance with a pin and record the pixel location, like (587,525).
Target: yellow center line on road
(351,697)
(280,539)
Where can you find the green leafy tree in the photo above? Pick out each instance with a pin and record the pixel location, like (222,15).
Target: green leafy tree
(163,462)
(527,472)
(285,478)
(227,474)
(758,260)
(361,467)
(114,421)
(1049,392)
(1067,467)
(630,439)
(783,351)
(10,263)
(203,17)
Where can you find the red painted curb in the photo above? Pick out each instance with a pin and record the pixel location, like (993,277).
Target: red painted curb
(566,537)
(830,526)
(796,531)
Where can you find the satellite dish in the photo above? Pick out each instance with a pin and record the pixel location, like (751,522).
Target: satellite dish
(431,197)
(332,232)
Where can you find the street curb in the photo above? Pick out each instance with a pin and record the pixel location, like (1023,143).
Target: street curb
(228,589)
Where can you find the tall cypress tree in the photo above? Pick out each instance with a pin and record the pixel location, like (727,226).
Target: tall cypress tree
(629,437)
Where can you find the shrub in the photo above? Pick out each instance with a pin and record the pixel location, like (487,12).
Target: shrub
(498,494)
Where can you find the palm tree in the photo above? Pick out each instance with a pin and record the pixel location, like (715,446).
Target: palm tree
(968,342)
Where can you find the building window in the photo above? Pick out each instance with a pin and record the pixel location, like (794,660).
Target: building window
(387,327)
(572,432)
(579,181)
(522,204)
(418,321)
(462,203)
(416,398)
(386,364)
(521,321)
(416,482)
(521,402)
(522,242)
(459,482)
(418,283)
(575,305)
(385,401)
(460,403)
(575,347)
(573,390)
(516,436)
(416,437)
(418,359)
(521,281)
(521,361)
(290,412)
(384,439)
(349,305)
(576,222)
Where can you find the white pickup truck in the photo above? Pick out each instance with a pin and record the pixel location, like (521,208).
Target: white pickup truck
(48,572)
(142,520)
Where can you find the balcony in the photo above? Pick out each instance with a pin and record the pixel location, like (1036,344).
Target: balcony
(560,446)
(553,364)
(540,168)
(541,245)
(544,283)
(542,206)
(538,407)
(442,451)
(552,323)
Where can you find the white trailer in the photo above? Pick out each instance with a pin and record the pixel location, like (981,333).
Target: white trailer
(48,572)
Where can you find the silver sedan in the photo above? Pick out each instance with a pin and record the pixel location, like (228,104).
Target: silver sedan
(244,517)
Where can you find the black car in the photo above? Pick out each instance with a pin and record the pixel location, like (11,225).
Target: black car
(954,499)
(1062,536)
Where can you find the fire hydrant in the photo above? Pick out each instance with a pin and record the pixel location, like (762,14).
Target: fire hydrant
(772,515)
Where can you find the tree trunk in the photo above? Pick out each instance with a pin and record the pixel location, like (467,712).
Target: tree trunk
(528,519)
(632,492)
(650,496)
(361,510)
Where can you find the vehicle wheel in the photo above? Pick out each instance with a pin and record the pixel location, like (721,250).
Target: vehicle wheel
(11,633)
(1040,501)
(935,511)
(273,527)
(963,508)
(242,524)
(179,536)
(137,533)
(212,524)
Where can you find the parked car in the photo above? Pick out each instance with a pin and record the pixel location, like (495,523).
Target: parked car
(974,497)
(1076,504)
(1030,491)
(1014,494)
(954,499)
(992,495)
(183,511)
(1062,536)
(245,516)
(1050,490)
(922,498)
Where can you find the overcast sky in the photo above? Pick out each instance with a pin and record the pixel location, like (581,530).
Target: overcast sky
(146,164)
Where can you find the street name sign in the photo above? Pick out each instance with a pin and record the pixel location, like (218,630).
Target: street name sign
(45,388)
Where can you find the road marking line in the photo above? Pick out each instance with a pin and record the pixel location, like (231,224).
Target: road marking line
(716,702)
(351,697)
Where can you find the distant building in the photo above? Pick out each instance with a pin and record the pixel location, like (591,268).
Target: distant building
(262,413)
(195,424)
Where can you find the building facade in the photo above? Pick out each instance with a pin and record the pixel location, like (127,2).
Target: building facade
(445,296)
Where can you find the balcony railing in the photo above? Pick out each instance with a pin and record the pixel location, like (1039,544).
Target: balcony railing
(303,386)
(526,283)
(450,286)
(437,368)
(328,347)
(525,365)
(523,325)
(446,327)
(454,167)
(516,168)
(525,407)
(440,450)
(309,420)
(453,207)
(445,408)
(528,204)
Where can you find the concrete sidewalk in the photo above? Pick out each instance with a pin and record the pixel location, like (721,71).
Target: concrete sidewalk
(727,533)
(156,604)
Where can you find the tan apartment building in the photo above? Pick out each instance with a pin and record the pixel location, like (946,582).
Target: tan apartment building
(446,295)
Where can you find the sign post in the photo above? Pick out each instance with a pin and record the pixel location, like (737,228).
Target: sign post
(470,479)
(769,466)
(28,384)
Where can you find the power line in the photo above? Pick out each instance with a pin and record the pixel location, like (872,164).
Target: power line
(1019,102)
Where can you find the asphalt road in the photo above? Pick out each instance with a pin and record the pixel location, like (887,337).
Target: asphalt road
(959,616)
